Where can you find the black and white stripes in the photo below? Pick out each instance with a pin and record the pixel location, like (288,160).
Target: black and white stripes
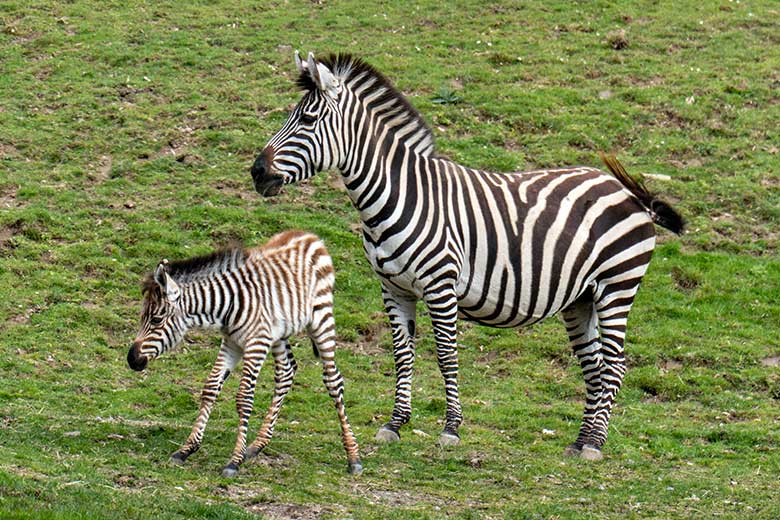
(258,298)
(500,249)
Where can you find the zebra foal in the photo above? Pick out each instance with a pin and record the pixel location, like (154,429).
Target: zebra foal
(257,298)
(500,249)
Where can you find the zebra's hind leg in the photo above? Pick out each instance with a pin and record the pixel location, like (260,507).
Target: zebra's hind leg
(284,371)
(228,358)
(402,313)
(581,322)
(323,336)
(613,303)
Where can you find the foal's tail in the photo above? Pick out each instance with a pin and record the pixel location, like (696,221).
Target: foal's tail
(661,212)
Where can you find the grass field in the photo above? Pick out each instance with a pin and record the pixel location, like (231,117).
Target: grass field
(126,133)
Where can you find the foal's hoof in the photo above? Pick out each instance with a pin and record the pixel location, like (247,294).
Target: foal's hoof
(179,457)
(590,452)
(355,468)
(387,435)
(230,471)
(252,452)
(572,450)
(448,439)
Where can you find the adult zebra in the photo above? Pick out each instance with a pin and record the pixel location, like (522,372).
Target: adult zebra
(499,249)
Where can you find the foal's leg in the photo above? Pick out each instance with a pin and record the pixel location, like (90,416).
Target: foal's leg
(284,371)
(323,335)
(581,323)
(402,313)
(254,354)
(229,355)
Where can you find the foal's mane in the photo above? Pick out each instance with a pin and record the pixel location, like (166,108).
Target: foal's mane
(347,67)
(184,271)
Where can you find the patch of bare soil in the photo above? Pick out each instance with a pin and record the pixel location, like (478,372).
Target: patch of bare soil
(276,511)
(241,190)
(395,498)
(101,171)
(370,337)
(8,151)
(7,233)
(773,361)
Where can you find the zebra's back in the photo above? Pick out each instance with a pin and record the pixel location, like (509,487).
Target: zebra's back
(527,244)
(296,277)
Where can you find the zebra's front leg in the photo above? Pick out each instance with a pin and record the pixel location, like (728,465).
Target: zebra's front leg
(254,355)
(443,308)
(284,372)
(402,313)
(228,357)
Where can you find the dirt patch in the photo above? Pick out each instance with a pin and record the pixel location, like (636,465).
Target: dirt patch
(684,281)
(371,337)
(773,361)
(7,233)
(24,318)
(394,498)
(101,172)
(8,151)
(276,511)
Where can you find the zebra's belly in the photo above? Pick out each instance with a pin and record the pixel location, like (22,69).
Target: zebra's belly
(507,301)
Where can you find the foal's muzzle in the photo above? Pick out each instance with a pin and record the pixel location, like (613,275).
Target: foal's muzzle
(135,359)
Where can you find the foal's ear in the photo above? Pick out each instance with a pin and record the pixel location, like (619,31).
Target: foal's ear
(169,287)
(322,76)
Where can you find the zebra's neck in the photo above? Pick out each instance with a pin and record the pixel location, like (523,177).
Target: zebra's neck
(205,304)
(385,147)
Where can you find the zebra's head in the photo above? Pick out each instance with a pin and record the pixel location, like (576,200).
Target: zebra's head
(309,141)
(162,319)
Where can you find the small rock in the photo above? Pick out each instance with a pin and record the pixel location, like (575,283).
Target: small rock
(605,94)
(129,204)
(74,433)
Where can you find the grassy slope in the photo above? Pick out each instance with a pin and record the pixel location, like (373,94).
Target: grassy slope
(126,132)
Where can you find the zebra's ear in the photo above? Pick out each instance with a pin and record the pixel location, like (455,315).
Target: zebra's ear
(322,76)
(300,64)
(169,287)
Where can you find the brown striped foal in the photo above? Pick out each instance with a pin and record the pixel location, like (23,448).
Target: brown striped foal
(258,298)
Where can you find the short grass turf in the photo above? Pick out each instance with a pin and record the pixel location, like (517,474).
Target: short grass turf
(126,133)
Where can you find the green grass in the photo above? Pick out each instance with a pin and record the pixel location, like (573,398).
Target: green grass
(126,134)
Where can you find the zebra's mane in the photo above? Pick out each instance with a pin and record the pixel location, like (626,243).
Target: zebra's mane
(347,67)
(188,270)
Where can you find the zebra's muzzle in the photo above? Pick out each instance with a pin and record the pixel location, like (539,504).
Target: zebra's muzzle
(266,183)
(135,359)
(269,186)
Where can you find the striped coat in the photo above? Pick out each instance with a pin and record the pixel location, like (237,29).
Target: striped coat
(257,298)
(499,249)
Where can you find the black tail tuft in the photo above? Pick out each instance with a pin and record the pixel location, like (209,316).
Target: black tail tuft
(661,212)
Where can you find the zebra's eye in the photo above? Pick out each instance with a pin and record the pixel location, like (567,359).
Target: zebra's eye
(156,320)
(308,119)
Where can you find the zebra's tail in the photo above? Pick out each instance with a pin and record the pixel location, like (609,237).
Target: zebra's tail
(661,212)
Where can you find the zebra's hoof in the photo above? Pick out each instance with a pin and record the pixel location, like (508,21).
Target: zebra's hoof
(355,468)
(590,452)
(387,435)
(230,471)
(448,439)
(572,450)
